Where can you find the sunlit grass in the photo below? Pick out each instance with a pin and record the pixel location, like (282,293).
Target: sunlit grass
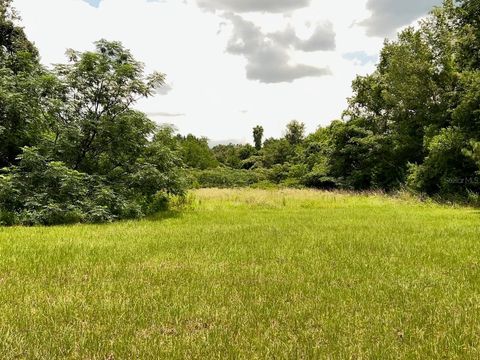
(248,274)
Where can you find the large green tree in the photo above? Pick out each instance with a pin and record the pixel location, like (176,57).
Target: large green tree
(98,158)
(23,84)
(97,129)
(295,132)
(420,106)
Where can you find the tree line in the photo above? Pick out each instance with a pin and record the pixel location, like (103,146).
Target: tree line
(74,149)
(413,123)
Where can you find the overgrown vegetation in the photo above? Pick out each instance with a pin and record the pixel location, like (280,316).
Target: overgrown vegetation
(73,148)
(414,122)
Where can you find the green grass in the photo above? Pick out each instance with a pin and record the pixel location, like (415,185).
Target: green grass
(248,274)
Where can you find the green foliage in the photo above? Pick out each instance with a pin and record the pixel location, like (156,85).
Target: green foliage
(258,137)
(279,173)
(95,158)
(227,155)
(196,153)
(22,81)
(474,152)
(446,169)
(39,191)
(226,178)
(276,152)
(466,115)
(417,112)
(295,132)
(97,129)
(468,19)
(237,156)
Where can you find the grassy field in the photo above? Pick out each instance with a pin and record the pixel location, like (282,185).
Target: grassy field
(248,274)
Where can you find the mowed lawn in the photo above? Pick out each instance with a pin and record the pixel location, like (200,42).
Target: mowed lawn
(248,274)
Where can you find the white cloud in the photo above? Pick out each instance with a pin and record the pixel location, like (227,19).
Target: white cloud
(210,85)
(267,55)
(275,6)
(388,15)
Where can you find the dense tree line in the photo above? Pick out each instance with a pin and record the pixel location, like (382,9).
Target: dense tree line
(414,122)
(72,147)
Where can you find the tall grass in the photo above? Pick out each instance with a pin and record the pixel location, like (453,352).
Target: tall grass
(248,274)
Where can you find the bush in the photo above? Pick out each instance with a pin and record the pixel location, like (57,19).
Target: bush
(42,192)
(319,181)
(226,178)
(279,173)
(447,169)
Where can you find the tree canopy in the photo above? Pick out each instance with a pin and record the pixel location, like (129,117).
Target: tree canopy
(72,146)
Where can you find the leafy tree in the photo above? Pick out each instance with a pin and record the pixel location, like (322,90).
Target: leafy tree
(22,83)
(276,151)
(316,154)
(245,151)
(474,153)
(316,147)
(258,137)
(98,158)
(237,156)
(227,155)
(418,107)
(41,191)
(359,159)
(196,153)
(295,132)
(447,169)
(401,100)
(467,21)
(97,129)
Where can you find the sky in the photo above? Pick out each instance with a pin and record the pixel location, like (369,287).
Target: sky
(232,64)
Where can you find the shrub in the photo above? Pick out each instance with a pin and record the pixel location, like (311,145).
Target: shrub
(42,192)
(319,181)
(225,178)
(446,170)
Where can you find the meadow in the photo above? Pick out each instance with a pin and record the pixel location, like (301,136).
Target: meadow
(248,274)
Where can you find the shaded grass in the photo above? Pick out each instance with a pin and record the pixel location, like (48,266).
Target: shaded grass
(248,274)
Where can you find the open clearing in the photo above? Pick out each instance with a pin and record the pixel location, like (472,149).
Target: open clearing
(248,274)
